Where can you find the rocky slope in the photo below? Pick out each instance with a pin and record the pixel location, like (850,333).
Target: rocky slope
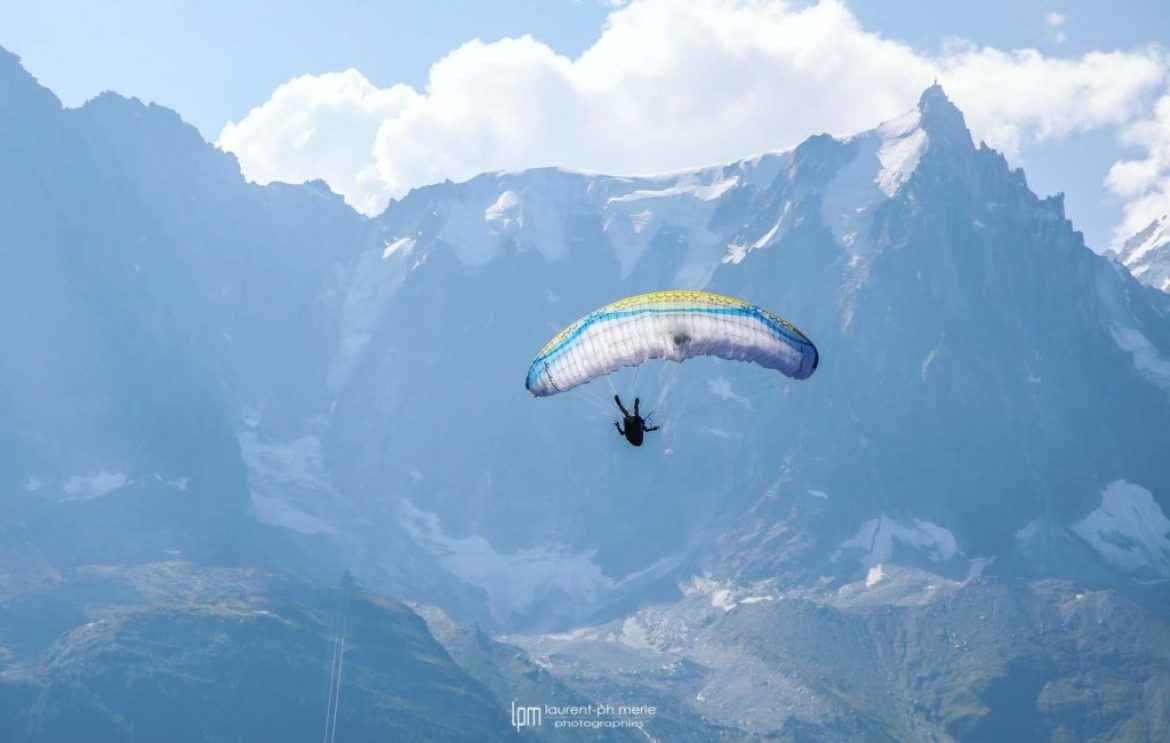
(171,651)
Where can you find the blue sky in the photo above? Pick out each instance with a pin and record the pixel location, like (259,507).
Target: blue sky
(215,61)
(1008,25)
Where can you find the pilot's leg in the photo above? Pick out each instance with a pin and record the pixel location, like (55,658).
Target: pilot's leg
(621,407)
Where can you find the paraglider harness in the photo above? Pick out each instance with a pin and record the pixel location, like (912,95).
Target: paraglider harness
(634,426)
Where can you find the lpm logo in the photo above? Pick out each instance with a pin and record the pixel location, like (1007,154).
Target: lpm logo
(525,717)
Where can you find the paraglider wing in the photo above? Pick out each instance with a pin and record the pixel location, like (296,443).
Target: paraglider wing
(673,325)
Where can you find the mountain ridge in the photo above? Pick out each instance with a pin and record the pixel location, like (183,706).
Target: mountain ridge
(816,228)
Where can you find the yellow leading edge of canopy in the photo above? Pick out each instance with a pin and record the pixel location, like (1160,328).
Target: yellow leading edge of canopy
(676,296)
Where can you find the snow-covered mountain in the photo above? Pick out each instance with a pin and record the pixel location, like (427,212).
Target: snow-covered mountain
(203,369)
(991,393)
(1147,254)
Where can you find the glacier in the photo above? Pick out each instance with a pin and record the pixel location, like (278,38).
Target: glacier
(1129,529)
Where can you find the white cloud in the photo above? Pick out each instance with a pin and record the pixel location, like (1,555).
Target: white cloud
(321,126)
(1009,97)
(1144,183)
(668,84)
(1054,24)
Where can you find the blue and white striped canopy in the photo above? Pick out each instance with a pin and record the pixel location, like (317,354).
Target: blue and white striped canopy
(673,325)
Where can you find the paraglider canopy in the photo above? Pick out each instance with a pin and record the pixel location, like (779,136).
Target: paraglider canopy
(673,325)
